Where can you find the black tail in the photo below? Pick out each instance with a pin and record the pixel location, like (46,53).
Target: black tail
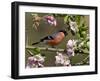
(35,43)
(41,40)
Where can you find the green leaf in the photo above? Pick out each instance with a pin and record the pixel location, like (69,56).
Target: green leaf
(83,34)
(66,19)
(88,44)
(78,19)
(34,14)
(78,35)
(86,51)
(84,28)
(36,50)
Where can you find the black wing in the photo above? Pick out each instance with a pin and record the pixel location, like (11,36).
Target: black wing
(47,38)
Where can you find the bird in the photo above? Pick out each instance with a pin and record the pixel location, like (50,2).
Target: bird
(54,39)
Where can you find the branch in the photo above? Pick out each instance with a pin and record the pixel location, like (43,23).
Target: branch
(30,52)
(44,48)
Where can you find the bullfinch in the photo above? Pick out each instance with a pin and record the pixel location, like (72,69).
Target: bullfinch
(53,39)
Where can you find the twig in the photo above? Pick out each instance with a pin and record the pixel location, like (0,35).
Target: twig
(30,52)
(44,48)
(80,63)
(86,58)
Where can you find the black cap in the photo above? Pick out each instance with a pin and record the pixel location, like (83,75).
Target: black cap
(64,31)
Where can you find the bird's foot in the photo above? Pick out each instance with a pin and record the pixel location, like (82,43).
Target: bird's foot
(46,48)
(56,49)
(53,46)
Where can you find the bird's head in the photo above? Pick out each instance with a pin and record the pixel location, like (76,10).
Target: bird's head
(64,31)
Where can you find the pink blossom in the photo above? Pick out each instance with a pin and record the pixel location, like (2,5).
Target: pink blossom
(35,61)
(73,26)
(50,20)
(70,47)
(62,59)
(70,52)
(70,44)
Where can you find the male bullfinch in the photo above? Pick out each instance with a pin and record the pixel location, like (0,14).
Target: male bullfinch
(53,39)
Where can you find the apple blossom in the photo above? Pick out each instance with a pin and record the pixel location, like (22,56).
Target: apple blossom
(35,61)
(62,59)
